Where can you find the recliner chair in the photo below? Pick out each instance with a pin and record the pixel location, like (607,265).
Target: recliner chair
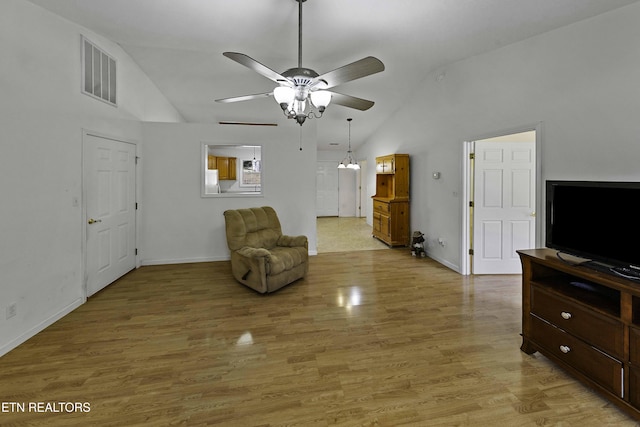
(262,258)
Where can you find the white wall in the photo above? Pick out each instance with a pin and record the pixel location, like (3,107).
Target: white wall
(42,114)
(180,226)
(581,82)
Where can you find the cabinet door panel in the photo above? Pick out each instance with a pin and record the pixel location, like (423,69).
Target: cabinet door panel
(385,225)
(223,168)
(634,386)
(232,168)
(377,222)
(634,346)
(211,162)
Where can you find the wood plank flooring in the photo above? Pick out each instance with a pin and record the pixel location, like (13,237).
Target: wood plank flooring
(372,338)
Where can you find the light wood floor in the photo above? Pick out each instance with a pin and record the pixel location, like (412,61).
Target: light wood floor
(345,234)
(371,338)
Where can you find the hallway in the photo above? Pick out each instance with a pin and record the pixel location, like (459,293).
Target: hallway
(345,234)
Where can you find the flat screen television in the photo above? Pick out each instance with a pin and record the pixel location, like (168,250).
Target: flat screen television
(596,220)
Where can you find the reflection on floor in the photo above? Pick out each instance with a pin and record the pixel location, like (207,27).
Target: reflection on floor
(346,234)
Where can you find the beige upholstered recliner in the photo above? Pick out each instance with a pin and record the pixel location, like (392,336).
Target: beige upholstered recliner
(262,258)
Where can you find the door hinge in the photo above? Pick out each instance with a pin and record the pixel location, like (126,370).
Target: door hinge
(136,205)
(470,251)
(471,203)
(136,251)
(137,158)
(472,156)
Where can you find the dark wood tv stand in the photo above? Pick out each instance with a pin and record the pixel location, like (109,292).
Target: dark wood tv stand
(585,321)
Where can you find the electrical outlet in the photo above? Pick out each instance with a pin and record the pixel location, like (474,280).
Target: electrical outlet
(12,310)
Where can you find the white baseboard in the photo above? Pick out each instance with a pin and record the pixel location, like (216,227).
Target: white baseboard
(182,260)
(6,348)
(446,263)
(191,260)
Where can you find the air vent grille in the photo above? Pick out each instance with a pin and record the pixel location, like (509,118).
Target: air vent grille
(98,73)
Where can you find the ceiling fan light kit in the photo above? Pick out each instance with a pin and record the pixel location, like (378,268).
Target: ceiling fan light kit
(293,101)
(300,90)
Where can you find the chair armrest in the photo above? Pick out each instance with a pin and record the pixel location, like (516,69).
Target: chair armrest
(292,241)
(254,252)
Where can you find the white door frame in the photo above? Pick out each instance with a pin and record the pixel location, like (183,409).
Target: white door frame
(363,200)
(85,134)
(467,190)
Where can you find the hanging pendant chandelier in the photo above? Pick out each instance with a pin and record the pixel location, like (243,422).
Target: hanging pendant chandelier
(352,164)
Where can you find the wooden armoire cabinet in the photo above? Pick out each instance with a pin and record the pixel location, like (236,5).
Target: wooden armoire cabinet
(391,201)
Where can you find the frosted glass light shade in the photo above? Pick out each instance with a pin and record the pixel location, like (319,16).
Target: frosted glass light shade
(321,98)
(284,95)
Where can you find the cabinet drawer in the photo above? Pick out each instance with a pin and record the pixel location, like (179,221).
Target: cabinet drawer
(598,330)
(382,207)
(601,368)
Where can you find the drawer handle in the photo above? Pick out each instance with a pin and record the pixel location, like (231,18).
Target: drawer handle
(565,349)
(565,315)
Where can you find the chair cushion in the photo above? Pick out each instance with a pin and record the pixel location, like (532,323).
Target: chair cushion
(285,258)
(255,227)
(265,238)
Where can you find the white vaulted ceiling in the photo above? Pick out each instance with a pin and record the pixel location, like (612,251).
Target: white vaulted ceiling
(179,44)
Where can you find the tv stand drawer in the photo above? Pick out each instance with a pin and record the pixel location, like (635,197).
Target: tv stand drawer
(578,355)
(581,320)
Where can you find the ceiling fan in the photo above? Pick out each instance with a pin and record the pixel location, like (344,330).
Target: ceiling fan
(297,86)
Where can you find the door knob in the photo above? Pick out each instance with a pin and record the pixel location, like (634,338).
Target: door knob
(92,221)
(533,214)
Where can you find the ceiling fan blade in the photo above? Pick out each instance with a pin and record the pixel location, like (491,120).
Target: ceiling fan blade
(351,101)
(245,97)
(355,70)
(259,68)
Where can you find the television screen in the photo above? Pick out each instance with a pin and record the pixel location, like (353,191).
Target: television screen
(594,220)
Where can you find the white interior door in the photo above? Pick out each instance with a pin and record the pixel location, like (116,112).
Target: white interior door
(504,205)
(347,194)
(109,186)
(327,189)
